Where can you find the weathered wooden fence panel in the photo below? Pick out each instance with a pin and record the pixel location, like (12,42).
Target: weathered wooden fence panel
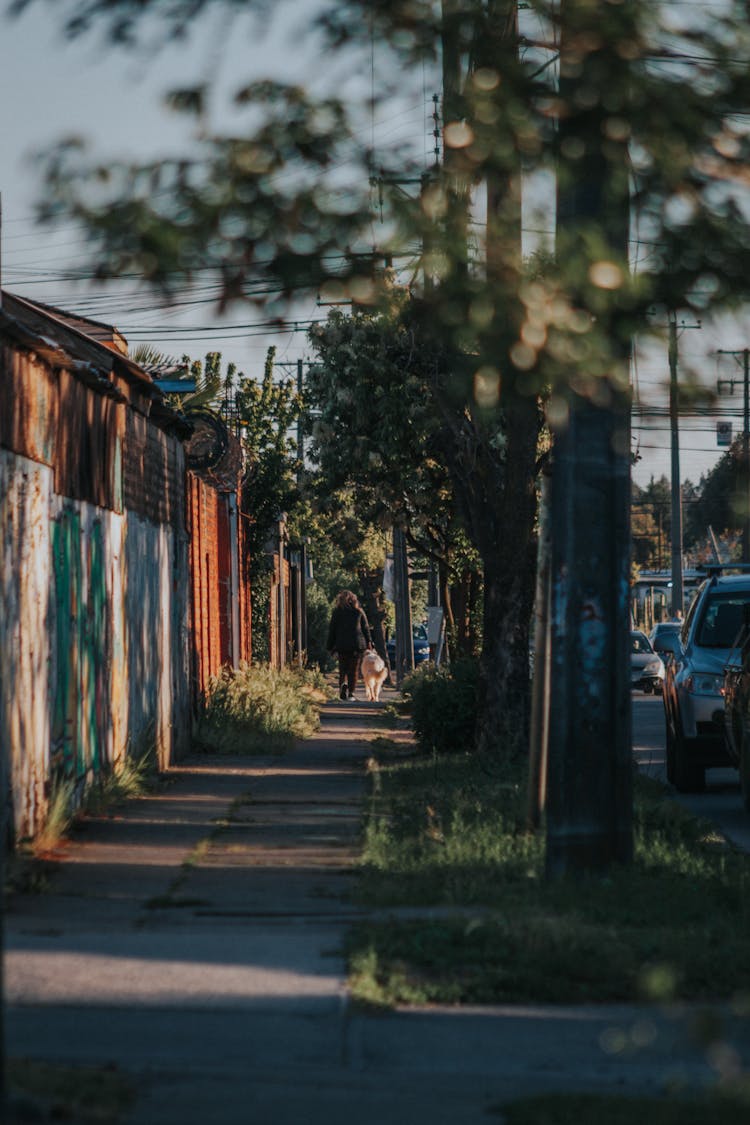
(156,584)
(25,579)
(94,582)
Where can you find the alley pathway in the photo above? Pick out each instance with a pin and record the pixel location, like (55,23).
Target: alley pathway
(194,942)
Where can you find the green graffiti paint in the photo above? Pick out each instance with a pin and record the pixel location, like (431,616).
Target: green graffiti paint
(94,661)
(66,566)
(82,629)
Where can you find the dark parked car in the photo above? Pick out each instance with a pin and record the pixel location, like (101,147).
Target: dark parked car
(421,646)
(646,669)
(694,679)
(737,709)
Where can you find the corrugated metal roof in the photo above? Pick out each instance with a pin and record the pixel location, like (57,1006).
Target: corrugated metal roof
(61,339)
(105,334)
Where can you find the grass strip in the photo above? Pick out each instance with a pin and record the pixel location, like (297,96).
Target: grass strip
(582,1109)
(84,1094)
(443,833)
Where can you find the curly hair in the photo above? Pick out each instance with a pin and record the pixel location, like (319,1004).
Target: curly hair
(347,598)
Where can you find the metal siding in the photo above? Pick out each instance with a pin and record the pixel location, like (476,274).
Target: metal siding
(82,540)
(223,577)
(66,587)
(181,726)
(153,474)
(119,701)
(94,635)
(144,565)
(88,448)
(246,634)
(28,407)
(210,566)
(25,493)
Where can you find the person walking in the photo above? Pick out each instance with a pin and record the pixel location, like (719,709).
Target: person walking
(348,638)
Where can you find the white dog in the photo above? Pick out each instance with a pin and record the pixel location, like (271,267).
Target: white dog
(374,674)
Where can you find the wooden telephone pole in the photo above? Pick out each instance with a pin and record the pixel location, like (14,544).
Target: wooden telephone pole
(589,786)
(677,591)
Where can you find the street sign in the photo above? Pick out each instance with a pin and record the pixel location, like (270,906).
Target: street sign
(723,433)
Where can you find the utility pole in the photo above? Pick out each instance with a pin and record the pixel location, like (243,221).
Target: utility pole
(677,591)
(299,365)
(743,356)
(539,724)
(404,636)
(300,425)
(589,785)
(456,180)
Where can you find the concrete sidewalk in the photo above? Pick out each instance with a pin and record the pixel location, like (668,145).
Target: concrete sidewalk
(194,941)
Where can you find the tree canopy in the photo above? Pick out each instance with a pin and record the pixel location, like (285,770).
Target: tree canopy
(637,108)
(672,87)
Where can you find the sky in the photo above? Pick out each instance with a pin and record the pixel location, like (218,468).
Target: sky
(51,88)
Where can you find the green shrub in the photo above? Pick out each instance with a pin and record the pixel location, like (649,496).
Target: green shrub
(443,704)
(318,618)
(260,709)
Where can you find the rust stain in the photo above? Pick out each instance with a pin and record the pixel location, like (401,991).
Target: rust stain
(114,572)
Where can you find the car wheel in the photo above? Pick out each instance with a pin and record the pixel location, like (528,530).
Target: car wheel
(647,688)
(688,777)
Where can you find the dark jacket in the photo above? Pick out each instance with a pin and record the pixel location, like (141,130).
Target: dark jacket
(349,630)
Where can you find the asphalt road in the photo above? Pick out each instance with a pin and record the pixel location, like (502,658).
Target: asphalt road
(721,803)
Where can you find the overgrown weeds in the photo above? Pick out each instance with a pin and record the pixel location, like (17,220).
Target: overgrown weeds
(60,812)
(260,709)
(441,833)
(130,778)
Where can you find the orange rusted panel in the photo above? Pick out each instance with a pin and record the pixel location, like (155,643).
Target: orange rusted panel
(28,406)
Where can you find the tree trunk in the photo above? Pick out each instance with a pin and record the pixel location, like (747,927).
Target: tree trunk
(505,671)
(497,496)
(463,601)
(509,558)
(475,593)
(446,596)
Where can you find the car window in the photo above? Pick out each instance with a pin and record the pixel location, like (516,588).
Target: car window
(721,620)
(689,619)
(639,642)
(419,632)
(663,629)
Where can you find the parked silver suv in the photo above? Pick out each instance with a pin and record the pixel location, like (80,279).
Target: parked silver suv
(694,678)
